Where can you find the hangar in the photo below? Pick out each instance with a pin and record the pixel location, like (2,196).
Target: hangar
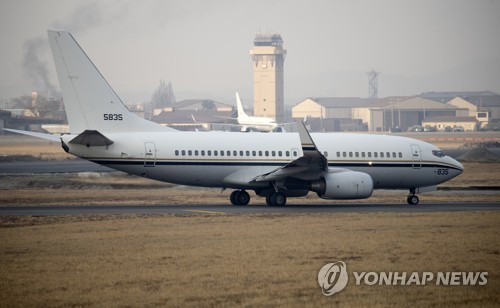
(363,114)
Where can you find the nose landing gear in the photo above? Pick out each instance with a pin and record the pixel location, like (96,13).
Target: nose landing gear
(412,198)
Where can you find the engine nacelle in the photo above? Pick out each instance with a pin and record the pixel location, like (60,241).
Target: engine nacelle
(344,185)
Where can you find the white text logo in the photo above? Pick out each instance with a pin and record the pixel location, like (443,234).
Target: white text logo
(332,278)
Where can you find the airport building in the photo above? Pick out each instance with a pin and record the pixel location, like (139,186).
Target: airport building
(195,114)
(399,113)
(268,57)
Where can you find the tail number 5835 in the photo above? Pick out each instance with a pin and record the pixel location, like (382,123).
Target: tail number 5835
(113,117)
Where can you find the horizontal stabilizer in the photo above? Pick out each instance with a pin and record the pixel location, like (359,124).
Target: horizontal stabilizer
(35,134)
(91,138)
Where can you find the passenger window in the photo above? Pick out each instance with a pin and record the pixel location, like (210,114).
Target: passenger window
(400,155)
(241,153)
(350,154)
(254,153)
(196,152)
(248,153)
(393,154)
(388,155)
(326,154)
(209,153)
(338,154)
(202,152)
(273,153)
(344,154)
(369,154)
(362,154)
(221,153)
(260,153)
(287,153)
(280,153)
(183,153)
(295,154)
(267,153)
(357,154)
(382,154)
(216,153)
(235,153)
(375,154)
(176,152)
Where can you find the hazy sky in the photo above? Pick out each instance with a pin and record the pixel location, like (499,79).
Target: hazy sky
(202,47)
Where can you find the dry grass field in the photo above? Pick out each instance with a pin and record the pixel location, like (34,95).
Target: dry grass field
(234,260)
(248,260)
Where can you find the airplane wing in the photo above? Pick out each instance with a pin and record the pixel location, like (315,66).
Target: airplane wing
(312,161)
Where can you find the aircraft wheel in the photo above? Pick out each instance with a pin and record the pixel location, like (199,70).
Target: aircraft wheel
(239,197)
(276,199)
(232,197)
(413,200)
(279,199)
(268,200)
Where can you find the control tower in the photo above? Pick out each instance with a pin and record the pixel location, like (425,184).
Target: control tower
(268,56)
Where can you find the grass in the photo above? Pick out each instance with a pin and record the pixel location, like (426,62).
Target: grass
(249,260)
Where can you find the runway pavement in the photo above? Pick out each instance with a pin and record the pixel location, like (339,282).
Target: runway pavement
(239,210)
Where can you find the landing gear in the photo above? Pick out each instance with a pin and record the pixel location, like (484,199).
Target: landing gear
(239,197)
(276,199)
(412,198)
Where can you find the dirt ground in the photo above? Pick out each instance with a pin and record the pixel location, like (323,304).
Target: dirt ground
(235,260)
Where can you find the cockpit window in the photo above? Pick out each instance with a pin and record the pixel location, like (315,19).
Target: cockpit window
(438,153)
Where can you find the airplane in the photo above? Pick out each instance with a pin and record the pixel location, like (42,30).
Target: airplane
(249,123)
(276,166)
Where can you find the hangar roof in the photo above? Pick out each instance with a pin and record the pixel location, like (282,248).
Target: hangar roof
(478,98)
(199,104)
(396,102)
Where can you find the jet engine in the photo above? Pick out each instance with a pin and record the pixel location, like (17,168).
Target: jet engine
(343,185)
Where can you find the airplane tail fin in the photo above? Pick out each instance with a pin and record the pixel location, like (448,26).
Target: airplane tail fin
(239,107)
(90,102)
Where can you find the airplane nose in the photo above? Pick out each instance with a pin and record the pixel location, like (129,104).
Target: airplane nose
(458,165)
(457,170)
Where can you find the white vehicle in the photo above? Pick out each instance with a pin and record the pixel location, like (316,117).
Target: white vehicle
(275,166)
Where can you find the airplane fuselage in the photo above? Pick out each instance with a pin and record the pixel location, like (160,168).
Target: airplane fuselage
(232,160)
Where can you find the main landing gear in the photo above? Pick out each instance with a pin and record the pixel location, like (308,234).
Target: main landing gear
(412,198)
(276,199)
(239,197)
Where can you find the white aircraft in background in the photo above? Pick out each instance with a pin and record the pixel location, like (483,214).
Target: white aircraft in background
(249,123)
(275,166)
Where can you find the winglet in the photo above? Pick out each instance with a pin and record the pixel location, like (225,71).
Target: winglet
(305,138)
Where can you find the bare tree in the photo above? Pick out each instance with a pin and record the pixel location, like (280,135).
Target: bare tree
(163,96)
